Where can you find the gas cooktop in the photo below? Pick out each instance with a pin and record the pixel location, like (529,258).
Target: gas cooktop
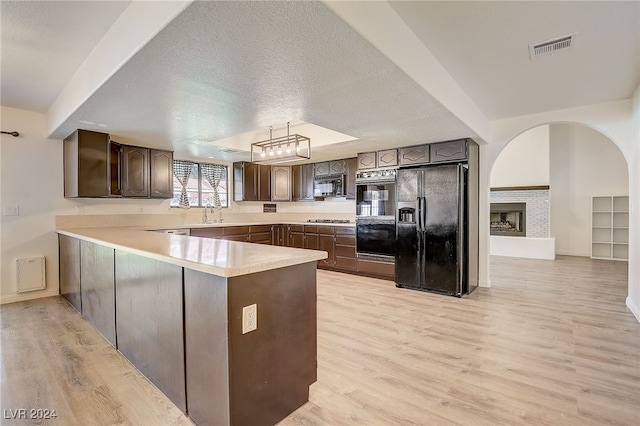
(329,221)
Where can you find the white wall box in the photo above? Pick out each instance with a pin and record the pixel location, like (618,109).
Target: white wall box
(30,274)
(610,228)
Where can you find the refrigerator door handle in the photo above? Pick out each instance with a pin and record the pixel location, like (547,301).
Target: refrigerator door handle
(418,215)
(423,212)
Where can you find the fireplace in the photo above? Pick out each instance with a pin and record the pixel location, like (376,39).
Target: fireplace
(508,219)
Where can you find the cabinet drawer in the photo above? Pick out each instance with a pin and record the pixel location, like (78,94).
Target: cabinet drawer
(310,229)
(345,230)
(346,251)
(260,237)
(376,268)
(296,228)
(236,230)
(259,228)
(346,263)
(241,238)
(326,230)
(346,240)
(449,151)
(206,232)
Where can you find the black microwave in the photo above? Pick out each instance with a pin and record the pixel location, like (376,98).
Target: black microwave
(329,186)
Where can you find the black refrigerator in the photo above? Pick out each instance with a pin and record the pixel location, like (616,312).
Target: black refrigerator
(432,231)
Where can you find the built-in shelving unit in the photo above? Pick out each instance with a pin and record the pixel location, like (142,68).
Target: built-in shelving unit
(610,228)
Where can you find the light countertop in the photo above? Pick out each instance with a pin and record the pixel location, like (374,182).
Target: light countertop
(212,256)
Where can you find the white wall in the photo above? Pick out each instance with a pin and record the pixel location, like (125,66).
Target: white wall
(524,161)
(31,172)
(584,163)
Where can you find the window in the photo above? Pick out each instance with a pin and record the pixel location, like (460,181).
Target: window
(196,181)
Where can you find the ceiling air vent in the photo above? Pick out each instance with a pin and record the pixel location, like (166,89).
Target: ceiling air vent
(549,47)
(230,151)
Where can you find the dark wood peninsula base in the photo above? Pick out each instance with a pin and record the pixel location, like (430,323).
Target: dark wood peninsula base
(182,329)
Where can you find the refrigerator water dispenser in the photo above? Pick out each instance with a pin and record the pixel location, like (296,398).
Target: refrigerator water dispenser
(406,214)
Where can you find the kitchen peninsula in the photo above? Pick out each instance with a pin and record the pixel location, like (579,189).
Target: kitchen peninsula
(179,309)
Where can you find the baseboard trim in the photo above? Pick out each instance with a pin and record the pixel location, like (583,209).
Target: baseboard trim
(27,296)
(484,283)
(633,308)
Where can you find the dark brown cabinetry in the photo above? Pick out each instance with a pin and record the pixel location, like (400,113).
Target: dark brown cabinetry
(302,182)
(367,160)
(251,182)
(449,151)
(280,235)
(260,234)
(280,183)
(351,166)
(296,236)
(387,158)
(95,166)
(322,169)
(413,155)
(337,167)
(135,171)
(91,165)
(345,248)
(232,233)
(326,242)
(69,270)
(311,240)
(161,175)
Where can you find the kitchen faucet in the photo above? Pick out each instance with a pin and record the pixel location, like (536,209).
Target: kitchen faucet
(205,218)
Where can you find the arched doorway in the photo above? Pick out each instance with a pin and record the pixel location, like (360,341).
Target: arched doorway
(558,168)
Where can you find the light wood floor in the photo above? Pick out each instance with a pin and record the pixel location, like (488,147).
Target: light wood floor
(550,343)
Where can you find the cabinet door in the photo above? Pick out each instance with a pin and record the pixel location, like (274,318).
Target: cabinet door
(135,172)
(115,169)
(311,241)
(86,164)
(281,183)
(350,185)
(322,169)
(449,151)
(327,243)
(414,155)
(387,158)
(367,160)
(336,167)
(264,183)
(296,239)
(161,179)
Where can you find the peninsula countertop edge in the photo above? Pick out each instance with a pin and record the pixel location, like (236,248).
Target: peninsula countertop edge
(209,255)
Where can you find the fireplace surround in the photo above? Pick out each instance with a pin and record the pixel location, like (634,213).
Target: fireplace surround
(508,219)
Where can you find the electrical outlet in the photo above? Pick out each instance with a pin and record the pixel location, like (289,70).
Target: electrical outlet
(249,318)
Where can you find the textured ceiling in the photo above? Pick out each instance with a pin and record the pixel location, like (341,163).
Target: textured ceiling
(222,70)
(44,42)
(225,68)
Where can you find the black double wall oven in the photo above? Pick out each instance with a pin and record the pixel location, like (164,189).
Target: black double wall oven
(375,214)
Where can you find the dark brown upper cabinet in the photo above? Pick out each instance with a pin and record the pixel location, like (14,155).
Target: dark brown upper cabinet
(387,158)
(251,182)
(302,182)
(336,167)
(367,160)
(161,177)
(414,155)
(135,172)
(449,151)
(351,166)
(280,183)
(322,169)
(91,165)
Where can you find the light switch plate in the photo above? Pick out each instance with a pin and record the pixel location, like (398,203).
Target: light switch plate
(12,211)
(249,318)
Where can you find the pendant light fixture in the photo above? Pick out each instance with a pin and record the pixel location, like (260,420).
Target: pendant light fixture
(282,149)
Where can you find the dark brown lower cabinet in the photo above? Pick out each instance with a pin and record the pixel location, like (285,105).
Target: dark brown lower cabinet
(296,236)
(150,321)
(98,288)
(259,377)
(327,242)
(377,269)
(345,254)
(260,234)
(69,270)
